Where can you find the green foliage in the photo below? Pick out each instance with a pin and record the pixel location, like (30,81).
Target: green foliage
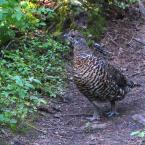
(96,21)
(21,16)
(49,67)
(34,69)
(35,66)
(26,15)
(69,10)
(14,14)
(138,133)
(125,4)
(122,4)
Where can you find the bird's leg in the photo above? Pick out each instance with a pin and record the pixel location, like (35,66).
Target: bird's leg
(96,114)
(113,111)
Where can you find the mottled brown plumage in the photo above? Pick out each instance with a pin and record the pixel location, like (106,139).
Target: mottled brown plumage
(95,77)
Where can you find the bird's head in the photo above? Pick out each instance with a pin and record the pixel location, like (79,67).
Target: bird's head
(78,42)
(75,38)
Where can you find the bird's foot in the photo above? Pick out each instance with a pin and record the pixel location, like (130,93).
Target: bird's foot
(112,114)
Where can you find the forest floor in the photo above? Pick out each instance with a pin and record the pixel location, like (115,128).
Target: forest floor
(66,123)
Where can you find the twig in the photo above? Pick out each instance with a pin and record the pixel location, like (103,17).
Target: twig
(137,27)
(130,40)
(2,130)
(68,121)
(43,114)
(75,129)
(116,37)
(77,115)
(140,41)
(9,44)
(114,42)
(43,131)
(113,39)
(50,27)
(46,109)
(123,38)
(59,5)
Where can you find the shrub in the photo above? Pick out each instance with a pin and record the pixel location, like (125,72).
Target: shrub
(68,10)
(19,16)
(138,133)
(34,69)
(15,15)
(122,4)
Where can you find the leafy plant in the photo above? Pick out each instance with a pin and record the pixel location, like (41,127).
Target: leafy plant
(124,4)
(34,69)
(20,16)
(15,15)
(138,133)
(69,10)
(52,72)
(121,3)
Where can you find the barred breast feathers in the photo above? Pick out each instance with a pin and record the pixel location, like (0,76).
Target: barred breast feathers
(94,76)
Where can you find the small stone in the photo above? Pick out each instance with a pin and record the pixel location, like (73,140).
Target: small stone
(43,137)
(70,78)
(36,144)
(94,126)
(99,126)
(57,108)
(17,143)
(57,115)
(139,118)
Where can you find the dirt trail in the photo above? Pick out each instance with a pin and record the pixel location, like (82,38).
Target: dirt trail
(67,126)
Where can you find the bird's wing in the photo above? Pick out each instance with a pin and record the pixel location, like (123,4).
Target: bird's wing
(117,76)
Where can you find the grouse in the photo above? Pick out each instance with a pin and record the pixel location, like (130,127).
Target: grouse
(95,78)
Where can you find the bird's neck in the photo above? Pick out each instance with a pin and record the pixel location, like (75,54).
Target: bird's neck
(81,49)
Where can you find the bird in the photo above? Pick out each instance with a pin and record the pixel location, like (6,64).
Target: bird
(95,77)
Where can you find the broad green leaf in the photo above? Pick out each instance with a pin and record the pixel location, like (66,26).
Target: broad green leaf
(141,134)
(18,16)
(13,121)
(2,2)
(135,133)
(2,117)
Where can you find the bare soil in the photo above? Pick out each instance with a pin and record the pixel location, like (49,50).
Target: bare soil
(67,124)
